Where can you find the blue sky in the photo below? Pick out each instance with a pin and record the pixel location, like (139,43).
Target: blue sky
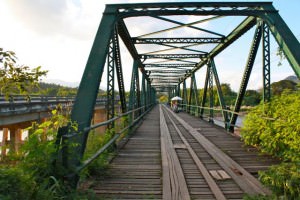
(58,35)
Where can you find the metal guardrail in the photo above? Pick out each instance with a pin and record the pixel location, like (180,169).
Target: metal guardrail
(28,104)
(229,112)
(113,139)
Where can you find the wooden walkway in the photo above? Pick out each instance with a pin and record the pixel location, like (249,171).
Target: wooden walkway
(178,156)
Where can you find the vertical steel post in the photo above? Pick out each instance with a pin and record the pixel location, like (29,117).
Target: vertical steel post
(266,62)
(204,91)
(143,96)
(110,93)
(119,72)
(196,95)
(220,93)
(134,97)
(178,90)
(83,108)
(211,94)
(184,96)
(286,40)
(190,94)
(246,76)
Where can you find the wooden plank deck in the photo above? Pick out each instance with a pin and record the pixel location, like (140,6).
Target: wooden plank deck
(188,171)
(136,172)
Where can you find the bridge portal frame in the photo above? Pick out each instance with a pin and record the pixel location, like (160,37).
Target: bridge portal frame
(112,25)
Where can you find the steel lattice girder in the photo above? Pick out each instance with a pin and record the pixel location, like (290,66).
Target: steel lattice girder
(114,16)
(167,71)
(167,56)
(246,76)
(176,40)
(266,62)
(169,65)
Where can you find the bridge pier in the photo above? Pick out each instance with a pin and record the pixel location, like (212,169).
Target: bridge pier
(12,137)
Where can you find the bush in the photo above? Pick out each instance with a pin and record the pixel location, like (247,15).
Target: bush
(275,129)
(283,179)
(32,175)
(15,184)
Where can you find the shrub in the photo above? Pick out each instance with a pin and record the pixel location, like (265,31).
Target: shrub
(275,129)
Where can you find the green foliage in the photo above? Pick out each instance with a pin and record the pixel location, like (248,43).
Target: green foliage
(14,78)
(258,197)
(281,55)
(39,151)
(251,98)
(163,99)
(275,129)
(283,179)
(35,170)
(280,86)
(51,89)
(15,184)
(94,143)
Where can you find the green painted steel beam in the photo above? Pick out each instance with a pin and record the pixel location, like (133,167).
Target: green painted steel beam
(211,94)
(193,27)
(83,108)
(166,56)
(110,92)
(119,72)
(178,27)
(286,40)
(245,12)
(126,38)
(246,75)
(220,93)
(204,91)
(266,64)
(199,5)
(201,40)
(173,47)
(241,29)
(175,65)
(184,95)
(167,71)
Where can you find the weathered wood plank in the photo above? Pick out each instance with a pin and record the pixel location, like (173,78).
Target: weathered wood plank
(211,183)
(243,178)
(176,187)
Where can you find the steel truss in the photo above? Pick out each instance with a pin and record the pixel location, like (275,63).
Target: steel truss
(176,40)
(266,62)
(168,56)
(106,46)
(110,105)
(246,76)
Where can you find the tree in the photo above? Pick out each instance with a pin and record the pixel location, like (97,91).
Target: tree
(280,86)
(251,98)
(15,78)
(274,128)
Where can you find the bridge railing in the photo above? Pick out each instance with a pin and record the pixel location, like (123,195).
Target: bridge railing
(134,119)
(196,110)
(36,103)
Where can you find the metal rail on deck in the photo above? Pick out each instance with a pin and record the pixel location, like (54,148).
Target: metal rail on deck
(112,140)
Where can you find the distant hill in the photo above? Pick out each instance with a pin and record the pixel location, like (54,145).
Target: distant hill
(62,83)
(293,78)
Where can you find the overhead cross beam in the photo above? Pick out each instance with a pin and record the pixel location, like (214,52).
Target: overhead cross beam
(180,26)
(203,40)
(113,23)
(167,56)
(176,65)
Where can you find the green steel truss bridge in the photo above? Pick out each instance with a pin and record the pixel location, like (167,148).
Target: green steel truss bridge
(162,62)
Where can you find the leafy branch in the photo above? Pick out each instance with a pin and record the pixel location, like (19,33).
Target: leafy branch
(15,78)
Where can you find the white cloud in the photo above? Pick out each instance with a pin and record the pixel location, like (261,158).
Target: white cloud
(58,35)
